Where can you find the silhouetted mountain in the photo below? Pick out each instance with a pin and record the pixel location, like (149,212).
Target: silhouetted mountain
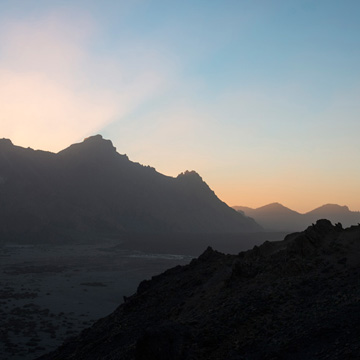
(89,190)
(276,217)
(335,213)
(293,299)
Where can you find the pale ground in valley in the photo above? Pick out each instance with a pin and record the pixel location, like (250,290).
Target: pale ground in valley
(49,293)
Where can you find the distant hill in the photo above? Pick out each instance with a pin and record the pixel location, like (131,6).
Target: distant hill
(291,299)
(276,217)
(90,190)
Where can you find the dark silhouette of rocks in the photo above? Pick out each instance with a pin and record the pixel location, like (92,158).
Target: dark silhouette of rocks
(292,299)
(89,191)
(276,217)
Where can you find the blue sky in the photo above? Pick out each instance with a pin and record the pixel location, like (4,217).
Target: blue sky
(260,97)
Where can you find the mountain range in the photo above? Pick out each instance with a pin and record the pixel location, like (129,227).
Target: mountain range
(291,299)
(276,217)
(89,190)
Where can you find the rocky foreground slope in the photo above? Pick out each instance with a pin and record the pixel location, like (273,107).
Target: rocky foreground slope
(294,299)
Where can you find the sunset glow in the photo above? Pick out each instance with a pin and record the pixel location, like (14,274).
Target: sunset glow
(261,98)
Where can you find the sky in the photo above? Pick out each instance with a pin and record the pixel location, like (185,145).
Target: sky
(260,97)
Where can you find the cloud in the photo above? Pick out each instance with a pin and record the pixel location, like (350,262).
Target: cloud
(55,89)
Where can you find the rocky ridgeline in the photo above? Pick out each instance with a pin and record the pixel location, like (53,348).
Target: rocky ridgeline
(89,192)
(294,299)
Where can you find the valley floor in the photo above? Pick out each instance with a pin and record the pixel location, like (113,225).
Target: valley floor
(50,293)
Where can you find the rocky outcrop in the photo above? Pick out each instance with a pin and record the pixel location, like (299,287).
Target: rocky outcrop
(294,299)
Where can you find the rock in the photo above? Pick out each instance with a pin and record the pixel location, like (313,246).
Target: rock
(294,299)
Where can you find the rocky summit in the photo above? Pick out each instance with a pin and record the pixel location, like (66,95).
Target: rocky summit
(89,191)
(294,299)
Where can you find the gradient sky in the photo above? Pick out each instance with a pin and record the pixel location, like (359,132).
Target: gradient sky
(261,98)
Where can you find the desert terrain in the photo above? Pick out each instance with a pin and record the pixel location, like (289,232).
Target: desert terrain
(49,293)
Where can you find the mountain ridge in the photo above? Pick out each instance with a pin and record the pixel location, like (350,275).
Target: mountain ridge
(277,217)
(90,190)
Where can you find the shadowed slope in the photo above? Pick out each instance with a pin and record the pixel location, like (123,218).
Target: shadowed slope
(293,299)
(90,190)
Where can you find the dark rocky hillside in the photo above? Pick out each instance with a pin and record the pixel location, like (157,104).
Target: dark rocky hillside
(90,190)
(294,299)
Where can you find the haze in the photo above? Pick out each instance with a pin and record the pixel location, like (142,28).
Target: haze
(259,97)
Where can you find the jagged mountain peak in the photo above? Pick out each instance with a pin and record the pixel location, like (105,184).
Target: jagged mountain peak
(93,147)
(190,175)
(5,143)
(98,140)
(98,143)
(192,180)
